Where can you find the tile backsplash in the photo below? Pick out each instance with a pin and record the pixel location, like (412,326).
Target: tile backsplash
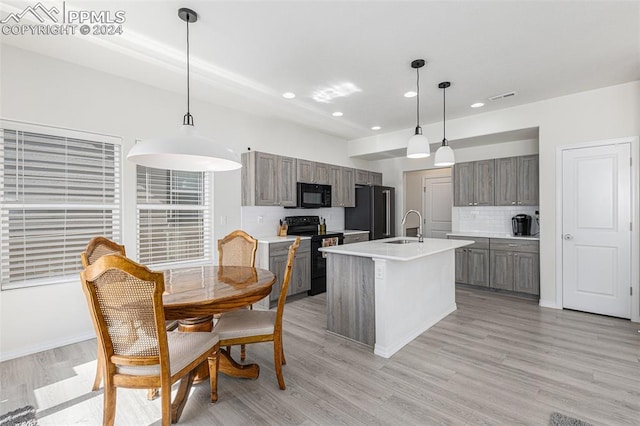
(490,219)
(264,221)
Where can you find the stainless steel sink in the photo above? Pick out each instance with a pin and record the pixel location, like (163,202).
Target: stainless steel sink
(401,241)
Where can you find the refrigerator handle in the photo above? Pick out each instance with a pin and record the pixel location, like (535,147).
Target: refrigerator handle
(387,206)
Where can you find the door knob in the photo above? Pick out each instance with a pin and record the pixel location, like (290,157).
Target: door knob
(568,237)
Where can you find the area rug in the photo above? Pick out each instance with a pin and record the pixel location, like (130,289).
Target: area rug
(558,419)
(25,416)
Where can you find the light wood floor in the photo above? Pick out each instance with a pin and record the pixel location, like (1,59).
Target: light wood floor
(496,360)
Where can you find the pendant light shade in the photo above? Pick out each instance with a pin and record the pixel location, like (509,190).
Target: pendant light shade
(418,146)
(444,155)
(186,149)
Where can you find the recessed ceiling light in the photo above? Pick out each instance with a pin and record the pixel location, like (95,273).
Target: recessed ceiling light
(477,105)
(410,94)
(376,128)
(337,114)
(288,95)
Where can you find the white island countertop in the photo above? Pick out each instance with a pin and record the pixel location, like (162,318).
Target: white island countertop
(483,234)
(382,249)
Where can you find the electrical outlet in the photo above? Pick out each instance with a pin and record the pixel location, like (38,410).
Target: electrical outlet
(260,219)
(223,220)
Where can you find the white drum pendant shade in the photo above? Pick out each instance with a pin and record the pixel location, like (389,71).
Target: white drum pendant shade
(418,147)
(444,157)
(186,150)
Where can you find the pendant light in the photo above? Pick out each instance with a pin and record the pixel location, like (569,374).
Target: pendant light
(186,150)
(418,144)
(444,155)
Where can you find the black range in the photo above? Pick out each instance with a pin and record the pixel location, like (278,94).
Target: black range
(308,226)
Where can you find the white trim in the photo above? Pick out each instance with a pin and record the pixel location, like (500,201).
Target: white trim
(44,346)
(549,304)
(64,132)
(633,141)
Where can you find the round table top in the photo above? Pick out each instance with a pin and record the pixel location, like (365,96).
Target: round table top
(206,290)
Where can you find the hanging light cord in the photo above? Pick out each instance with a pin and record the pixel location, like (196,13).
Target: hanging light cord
(188,118)
(444,116)
(418,101)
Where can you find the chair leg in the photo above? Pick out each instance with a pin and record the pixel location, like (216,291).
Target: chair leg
(181,396)
(152,393)
(165,398)
(284,361)
(277,361)
(214,363)
(98,379)
(109,413)
(243,352)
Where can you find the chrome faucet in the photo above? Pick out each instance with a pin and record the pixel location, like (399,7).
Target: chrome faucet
(404,219)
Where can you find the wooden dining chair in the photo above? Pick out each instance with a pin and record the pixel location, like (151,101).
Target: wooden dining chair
(125,300)
(245,326)
(98,247)
(238,249)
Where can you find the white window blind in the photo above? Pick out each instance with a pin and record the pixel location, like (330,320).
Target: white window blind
(173,216)
(58,189)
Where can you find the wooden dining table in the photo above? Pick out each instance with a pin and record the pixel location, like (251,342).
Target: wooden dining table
(193,295)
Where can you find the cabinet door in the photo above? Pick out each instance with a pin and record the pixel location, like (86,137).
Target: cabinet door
(375,178)
(335,180)
(528,180)
(300,274)
(348,187)
(484,183)
(527,273)
(502,269)
(461,266)
(266,176)
(306,171)
(463,184)
(478,264)
(286,181)
(277,265)
(362,177)
(506,185)
(322,174)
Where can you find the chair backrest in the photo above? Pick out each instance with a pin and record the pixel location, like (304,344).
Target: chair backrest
(237,249)
(98,247)
(285,281)
(125,301)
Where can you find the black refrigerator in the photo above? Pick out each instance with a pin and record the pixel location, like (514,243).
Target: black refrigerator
(374,212)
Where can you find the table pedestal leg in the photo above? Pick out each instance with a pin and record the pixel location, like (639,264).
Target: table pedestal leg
(198,324)
(231,368)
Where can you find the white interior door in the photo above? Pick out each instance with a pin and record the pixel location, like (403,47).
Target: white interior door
(596,229)
(437,207)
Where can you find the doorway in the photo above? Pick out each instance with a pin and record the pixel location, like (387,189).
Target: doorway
(597,272)
(437,201)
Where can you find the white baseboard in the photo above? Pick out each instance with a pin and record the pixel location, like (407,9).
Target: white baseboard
(44,346)
(549,304)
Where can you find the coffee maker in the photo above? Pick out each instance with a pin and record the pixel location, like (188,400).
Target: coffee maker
(521,224)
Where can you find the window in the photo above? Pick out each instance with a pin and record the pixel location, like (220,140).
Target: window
(173,216)
(58,189)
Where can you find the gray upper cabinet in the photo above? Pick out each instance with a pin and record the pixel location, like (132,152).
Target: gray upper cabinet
(312,172)
(473,183)
(343,186)
(528,176)
(366,177)
(517,181)
(268,180)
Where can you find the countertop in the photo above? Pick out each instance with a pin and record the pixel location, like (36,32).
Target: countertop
(276,239)
(481,234)
(380,249)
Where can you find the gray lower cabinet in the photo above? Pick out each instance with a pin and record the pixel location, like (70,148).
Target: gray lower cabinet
(472,262)
(343,186)
(268,180)
(356,238)
(273,256)
(515,265)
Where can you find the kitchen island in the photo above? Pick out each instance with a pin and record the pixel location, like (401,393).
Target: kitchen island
(384,294)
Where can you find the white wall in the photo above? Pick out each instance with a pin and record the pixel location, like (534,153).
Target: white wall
(42,90)
(606,113)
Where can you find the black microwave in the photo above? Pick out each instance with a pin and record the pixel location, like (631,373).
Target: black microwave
(312,196)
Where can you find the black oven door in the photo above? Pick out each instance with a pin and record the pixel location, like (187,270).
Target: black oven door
(319,263)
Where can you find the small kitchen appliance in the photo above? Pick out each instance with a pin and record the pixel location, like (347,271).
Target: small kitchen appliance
(521,224)
(312,196)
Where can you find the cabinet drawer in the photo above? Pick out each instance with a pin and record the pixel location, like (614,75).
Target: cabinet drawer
(279,249)
(480,242)
(515,245)
(356,238)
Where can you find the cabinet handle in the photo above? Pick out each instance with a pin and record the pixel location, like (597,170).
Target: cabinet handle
(513,245)
(513,202)
(519,202)
(470,204)
(475,204)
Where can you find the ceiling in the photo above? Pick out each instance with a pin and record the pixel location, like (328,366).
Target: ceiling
(245,54)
